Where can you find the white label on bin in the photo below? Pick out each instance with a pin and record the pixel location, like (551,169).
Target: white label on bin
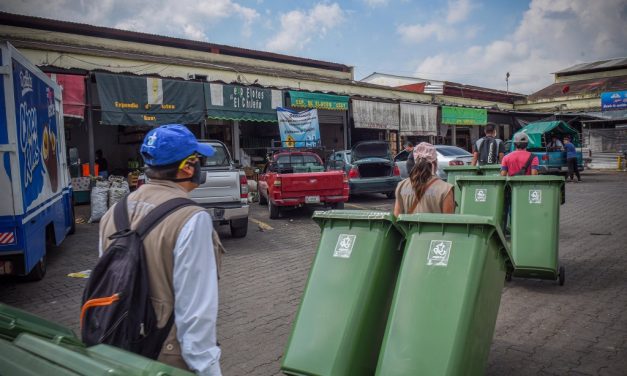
(439,251)
(535,196)
(344,246)
(481,195)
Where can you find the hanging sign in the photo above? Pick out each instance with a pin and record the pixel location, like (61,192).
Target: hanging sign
(298,129)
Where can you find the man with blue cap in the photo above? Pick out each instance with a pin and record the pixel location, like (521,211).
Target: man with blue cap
(180,258)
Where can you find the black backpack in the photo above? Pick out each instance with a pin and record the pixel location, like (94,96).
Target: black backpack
(116,302)
(488,148)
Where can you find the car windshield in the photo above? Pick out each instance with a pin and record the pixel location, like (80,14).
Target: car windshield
(219,159)
(298,160)
(450,151)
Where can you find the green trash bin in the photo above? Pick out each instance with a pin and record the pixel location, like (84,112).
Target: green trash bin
(340,323)
(452,173)
(447,296)
(14,321)
(483,195)
(535,224)
(490,169)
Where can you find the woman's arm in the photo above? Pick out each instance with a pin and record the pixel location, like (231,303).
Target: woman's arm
(448,205)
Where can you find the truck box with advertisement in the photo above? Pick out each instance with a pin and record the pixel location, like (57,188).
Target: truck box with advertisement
(36,205)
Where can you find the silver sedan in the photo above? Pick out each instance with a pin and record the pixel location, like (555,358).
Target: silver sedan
(448,155)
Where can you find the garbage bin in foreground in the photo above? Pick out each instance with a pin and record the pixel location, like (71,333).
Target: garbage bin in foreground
(447,296)
(340,323)
(483,195)
(490,169)
(452,173)
(535,224)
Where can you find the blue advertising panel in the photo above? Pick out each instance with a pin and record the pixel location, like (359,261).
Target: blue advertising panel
(37,136)
(614,100)
(298,129)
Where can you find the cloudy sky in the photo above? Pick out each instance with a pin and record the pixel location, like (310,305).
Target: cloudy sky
(469,41)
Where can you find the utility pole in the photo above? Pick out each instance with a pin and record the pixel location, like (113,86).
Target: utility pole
(507,81)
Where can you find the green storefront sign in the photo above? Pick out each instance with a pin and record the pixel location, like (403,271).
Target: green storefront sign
(318,101)
(464,116)
(237,102)
(133,100)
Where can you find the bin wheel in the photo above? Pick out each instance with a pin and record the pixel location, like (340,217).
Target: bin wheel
(562,276)
(273,209)
(508,276)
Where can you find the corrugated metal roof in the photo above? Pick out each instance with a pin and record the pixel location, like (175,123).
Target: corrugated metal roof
(581,87)
(610,64)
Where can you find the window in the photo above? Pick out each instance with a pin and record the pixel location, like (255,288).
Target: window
(219,159)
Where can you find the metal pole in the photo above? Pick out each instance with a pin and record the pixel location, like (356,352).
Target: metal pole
(398,136)
(90,127)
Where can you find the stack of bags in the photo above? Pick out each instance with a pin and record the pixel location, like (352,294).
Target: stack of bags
(105,194)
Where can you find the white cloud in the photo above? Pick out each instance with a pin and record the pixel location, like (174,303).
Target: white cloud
(376,3)
(553,34)
(456,12)
(191,19)
(299,28)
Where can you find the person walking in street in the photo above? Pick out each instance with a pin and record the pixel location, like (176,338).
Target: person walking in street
(409,148)
(423,191)
(180,259)
(488,149)
(571,159)
(520,161)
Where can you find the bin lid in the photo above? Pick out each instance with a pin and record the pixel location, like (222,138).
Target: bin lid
(537,178)
(494,166)
(480,178)
(14,321)
(461,168)
(457,219)
(353,215)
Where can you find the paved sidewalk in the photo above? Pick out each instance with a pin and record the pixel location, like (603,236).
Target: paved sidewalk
(542,328)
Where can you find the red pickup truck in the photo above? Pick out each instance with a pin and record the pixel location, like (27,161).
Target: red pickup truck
(298,178)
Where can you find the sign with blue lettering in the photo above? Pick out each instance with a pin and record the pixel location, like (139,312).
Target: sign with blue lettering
(38,136)
(614,100)
(298,129)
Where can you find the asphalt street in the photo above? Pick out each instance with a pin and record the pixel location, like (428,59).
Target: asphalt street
(542,328)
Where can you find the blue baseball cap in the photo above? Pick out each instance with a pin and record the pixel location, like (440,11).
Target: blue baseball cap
(171,143)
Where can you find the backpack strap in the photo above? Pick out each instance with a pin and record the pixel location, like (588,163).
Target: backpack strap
(120,215)
(156,215)
(523,170)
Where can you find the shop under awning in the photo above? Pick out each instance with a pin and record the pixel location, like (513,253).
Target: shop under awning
(375,115)
(419,119)
(133,100)
(320,101)
(242,103)
(73,94)
(464,116)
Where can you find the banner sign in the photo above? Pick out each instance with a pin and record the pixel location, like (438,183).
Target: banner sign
(237,102)
(464,116)
(318,100)
(73,91)
(614,100)
(298,129)
(131,100)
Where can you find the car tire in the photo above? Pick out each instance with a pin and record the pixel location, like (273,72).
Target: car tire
(262,199)
(239,227)
(390,194)
(39,271)
(73,224)
(338,206)
(274,210)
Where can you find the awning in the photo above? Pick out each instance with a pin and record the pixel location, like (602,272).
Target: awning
(73,89)
(419,119)
(131,100)
(375,115)
(464,116)
(244,103)
(319,101)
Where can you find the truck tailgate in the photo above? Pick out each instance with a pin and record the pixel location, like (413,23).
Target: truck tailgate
(220,187)
(329,182)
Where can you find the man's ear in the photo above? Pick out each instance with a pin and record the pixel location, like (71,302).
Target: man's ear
(185,172)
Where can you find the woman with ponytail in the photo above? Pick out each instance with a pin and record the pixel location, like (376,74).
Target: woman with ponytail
(423,191)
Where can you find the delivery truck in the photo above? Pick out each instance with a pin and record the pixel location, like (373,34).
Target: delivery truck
(36,209)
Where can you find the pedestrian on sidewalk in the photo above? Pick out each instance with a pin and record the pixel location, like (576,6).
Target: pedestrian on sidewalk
(423,191)
(488,149)
(520,161)
(180,258)
(409,148)
(571,159)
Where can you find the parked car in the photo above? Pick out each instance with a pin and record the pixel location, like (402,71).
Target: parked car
(369,166)
(225,192)
(298,178)
(448,155)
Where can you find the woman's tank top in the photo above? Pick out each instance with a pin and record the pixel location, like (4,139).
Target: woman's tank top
(431,201)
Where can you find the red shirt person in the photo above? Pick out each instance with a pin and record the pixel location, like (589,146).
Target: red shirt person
(515,161)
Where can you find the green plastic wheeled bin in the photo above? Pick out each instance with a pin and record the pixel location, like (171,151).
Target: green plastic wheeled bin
(452,173)
(535,224)
(447,296)
(14,321)
(483,195)
(340,323)
(490,169)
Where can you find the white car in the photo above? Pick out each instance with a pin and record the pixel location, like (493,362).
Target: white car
(448,155)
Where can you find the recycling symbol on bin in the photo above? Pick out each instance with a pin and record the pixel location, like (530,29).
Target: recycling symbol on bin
(481,195)
(439,252)
(535,196)
(344,246)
